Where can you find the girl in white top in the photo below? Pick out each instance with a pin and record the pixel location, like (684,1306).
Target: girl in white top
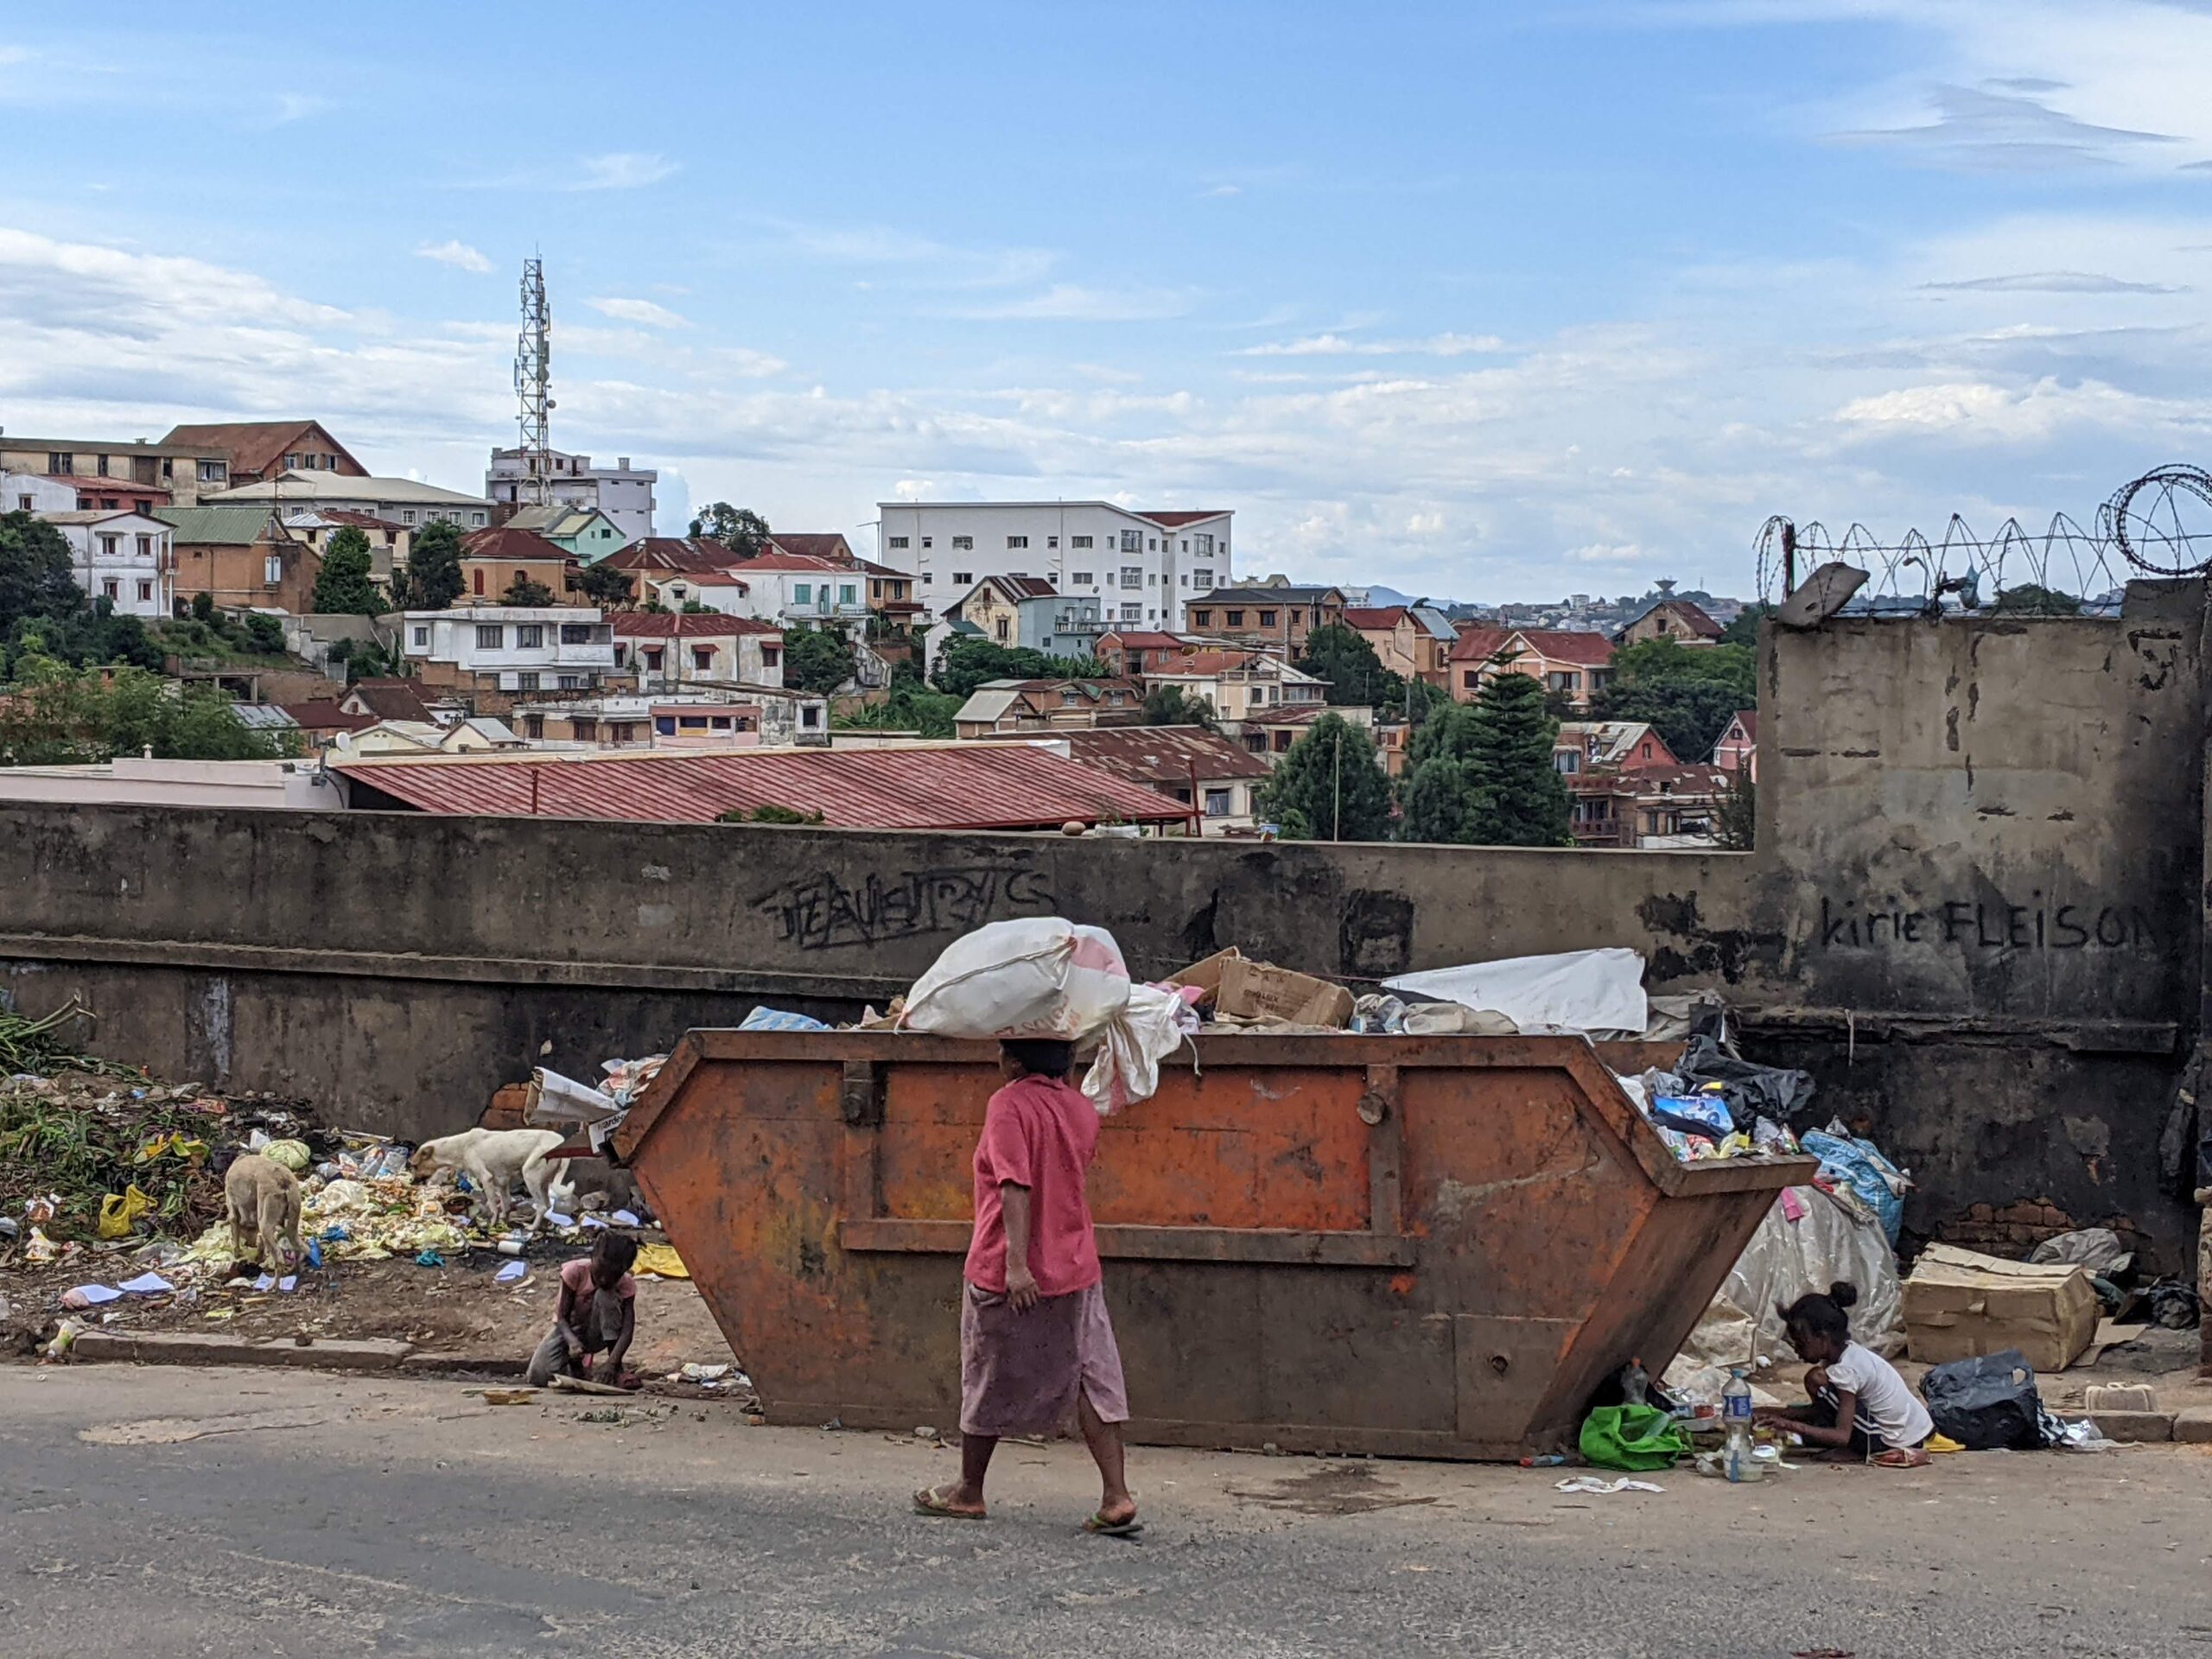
(1861,1407)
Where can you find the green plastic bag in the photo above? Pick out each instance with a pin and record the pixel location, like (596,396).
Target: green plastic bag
(1632,1437)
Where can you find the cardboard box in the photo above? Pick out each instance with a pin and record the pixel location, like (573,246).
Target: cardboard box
(1259,990)
(1205,973)
(1959,1304)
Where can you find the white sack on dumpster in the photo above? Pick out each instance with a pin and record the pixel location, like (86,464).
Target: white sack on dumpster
(1595,991)
(1786,1259)
(1039,976)
(1132,1045)
(554,1099)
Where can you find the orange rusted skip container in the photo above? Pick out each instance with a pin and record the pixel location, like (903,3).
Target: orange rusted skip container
(1430,1246)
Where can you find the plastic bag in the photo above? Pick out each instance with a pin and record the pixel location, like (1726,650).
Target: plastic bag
(1859,1165)
(1039,976)
(1632,1437)
(1827,1240)
(1986,1404)
(1149,1028)
(119,1211)
(1579,990)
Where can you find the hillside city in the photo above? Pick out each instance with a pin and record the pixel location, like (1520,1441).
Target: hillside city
(242,614)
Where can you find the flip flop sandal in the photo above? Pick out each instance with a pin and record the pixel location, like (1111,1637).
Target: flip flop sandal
(927,1502)
(1099,1525)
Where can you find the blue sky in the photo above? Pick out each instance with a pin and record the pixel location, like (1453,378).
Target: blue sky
(1476,300)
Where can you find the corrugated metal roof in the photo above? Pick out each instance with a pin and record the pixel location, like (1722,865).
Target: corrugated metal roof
(958,787)
(1163,754)
(215,526)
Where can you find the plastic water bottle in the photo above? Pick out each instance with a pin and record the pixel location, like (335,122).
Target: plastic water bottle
(1737,1461)
(1636,1383)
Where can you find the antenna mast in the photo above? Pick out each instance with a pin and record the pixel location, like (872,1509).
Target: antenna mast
(534,382)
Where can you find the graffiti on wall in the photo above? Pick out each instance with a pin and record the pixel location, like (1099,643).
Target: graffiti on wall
(820,912)
(2043,923)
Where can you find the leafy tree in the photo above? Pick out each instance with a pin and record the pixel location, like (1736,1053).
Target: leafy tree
(1736,815)
(35,579)
(965,664)
(434,579)
(368,659)
(2031,600)
(693,607)
(61,714)
(742,530)
(816,659)
(1482,775)
(1329,786)
(525,590)
(265,632)
(603,584)
(1411,700)
(908,709)
(1170,705)
(100,635)
(344,587)
(906,676)
(1688,693)
(1356,674)
(1744,630)
(203,607)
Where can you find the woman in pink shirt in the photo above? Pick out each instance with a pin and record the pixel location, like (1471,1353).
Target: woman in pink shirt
(1035,1340)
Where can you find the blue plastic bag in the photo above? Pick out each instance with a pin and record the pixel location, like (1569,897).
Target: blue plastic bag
(1859,1165)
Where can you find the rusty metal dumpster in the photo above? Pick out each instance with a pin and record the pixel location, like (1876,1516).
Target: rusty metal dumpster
(1429,1246)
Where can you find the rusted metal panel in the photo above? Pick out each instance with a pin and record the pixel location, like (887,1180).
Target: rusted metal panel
(1432,1246)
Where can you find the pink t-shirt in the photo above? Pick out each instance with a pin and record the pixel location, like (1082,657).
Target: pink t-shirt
(1038,1133)
(575,1274)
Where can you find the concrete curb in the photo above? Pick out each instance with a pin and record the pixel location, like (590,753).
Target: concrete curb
(437,1364)
(2194,1425)
(157,1349)
(2139,1427)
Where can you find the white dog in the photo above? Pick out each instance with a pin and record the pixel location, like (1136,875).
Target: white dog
(494,1159)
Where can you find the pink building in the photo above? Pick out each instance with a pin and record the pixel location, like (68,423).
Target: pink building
(1739,747)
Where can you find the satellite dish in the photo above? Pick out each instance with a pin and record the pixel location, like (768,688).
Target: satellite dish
(1821,596)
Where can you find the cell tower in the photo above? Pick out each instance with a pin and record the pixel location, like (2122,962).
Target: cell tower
(534,383)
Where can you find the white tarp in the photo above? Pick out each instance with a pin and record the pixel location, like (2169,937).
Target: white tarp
(1580,990)
(1786,1259)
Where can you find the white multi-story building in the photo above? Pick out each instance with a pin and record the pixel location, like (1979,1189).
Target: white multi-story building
(126,558)
(517,649)
(1143,568)
(623,493)
(30,493)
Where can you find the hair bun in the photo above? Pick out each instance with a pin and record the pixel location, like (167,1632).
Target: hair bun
(1844,1294)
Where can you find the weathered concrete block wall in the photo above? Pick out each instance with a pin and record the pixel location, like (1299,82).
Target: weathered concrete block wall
(1975,914)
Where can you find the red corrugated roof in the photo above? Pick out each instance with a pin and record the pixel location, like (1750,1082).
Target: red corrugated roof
(1381,620)
(779,560)
(965,786)
(673,553)
(815,543)
(1749,720)
(1177,520)
(505,541)
(1140,640)
(1568,645)
(1163,754)
(1478,643)
(663,624)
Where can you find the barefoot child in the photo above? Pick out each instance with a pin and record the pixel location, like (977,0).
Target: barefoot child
(598,1311)
(1860,1407)
(1035,1341)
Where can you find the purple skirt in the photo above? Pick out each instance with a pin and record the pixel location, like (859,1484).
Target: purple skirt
(1020,1373)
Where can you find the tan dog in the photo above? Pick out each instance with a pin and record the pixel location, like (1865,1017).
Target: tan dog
(263,1198)
(493,1159)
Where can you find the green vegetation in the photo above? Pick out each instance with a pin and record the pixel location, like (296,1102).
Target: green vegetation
(966,664)
(61,715)
(1170,705)
(2031,600)
(1356,674)
(602,584)
(1688,693)
(816,659)
(908,709)
(432,580)
(742,530)
(1329,786)
(1482,775)
(344,587)
(1736,815)
(523,590)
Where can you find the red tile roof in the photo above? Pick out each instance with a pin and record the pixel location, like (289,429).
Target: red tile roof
(1163,755)
(119,487)
(1568,645)
(814,543)
(1141,640)
(505,541)
(253,445)
(958,787)
(1479,643)
(323,714)
(1692,615)
(389,699)
(1382,619)
(662,624)
(1749,720)
(1177,520)
(687,553)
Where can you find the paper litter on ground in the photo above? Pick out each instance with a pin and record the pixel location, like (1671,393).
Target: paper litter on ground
(1600,1485)
(659,1262)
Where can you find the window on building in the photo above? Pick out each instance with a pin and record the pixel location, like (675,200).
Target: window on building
(476,582)
(718,723)
(573,683)
(1132,541)
(623,731)
(1202,579)
(802,593)
(100,467)
(1562,682)
(530,636)
(526,682)
(575,634)
(927,540)
(1566,762)
(771,656)
(407,515)
(1132,613)
(145,547)
(1204,547)
(145,593)
(422,635)
(1078,541)
(533,725)
(1015,543)
(1217,802)
(213,472)
(963,543)
(702,658)
(1232,619)
(665,724)
(1003,629)
(1201,619)
(475,518)
(810,717)
(24,502)
(962,579)
(1132,575)
(1080,578)
(112,588)
(848,592)
(1267,619)
(900,541)
(490,635)
(291,463)
(654,656)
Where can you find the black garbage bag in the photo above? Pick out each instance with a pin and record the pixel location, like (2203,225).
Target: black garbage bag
(1751,1090)
(1987,1404)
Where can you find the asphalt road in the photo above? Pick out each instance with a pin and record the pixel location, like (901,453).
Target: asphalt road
(161,1512)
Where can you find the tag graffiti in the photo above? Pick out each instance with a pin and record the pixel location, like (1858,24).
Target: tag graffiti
(822,912)
(1981,924)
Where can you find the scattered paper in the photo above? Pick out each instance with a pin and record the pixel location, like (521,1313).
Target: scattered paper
(1600,1485)
(91,1296)
(559,1220)
(626,1218)
(267,1281)
(593,1221)
(289,1283)
(509,1274)
(148,1284)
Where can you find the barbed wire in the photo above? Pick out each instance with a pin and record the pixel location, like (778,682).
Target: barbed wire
(2147,522)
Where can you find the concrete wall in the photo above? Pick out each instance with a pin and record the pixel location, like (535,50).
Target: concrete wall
(1975,914)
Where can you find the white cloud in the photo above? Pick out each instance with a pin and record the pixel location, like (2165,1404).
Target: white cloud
(619,170)
(1073,302)
(457,254)
(1220,190)
(645,313)
(1337,344)
(2053,281)
(747,363)
(921,260)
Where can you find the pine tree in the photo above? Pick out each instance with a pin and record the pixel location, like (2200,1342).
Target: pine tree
(434,578)
(1525,799)
(1329,786)
(1736,814)
(344,587)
